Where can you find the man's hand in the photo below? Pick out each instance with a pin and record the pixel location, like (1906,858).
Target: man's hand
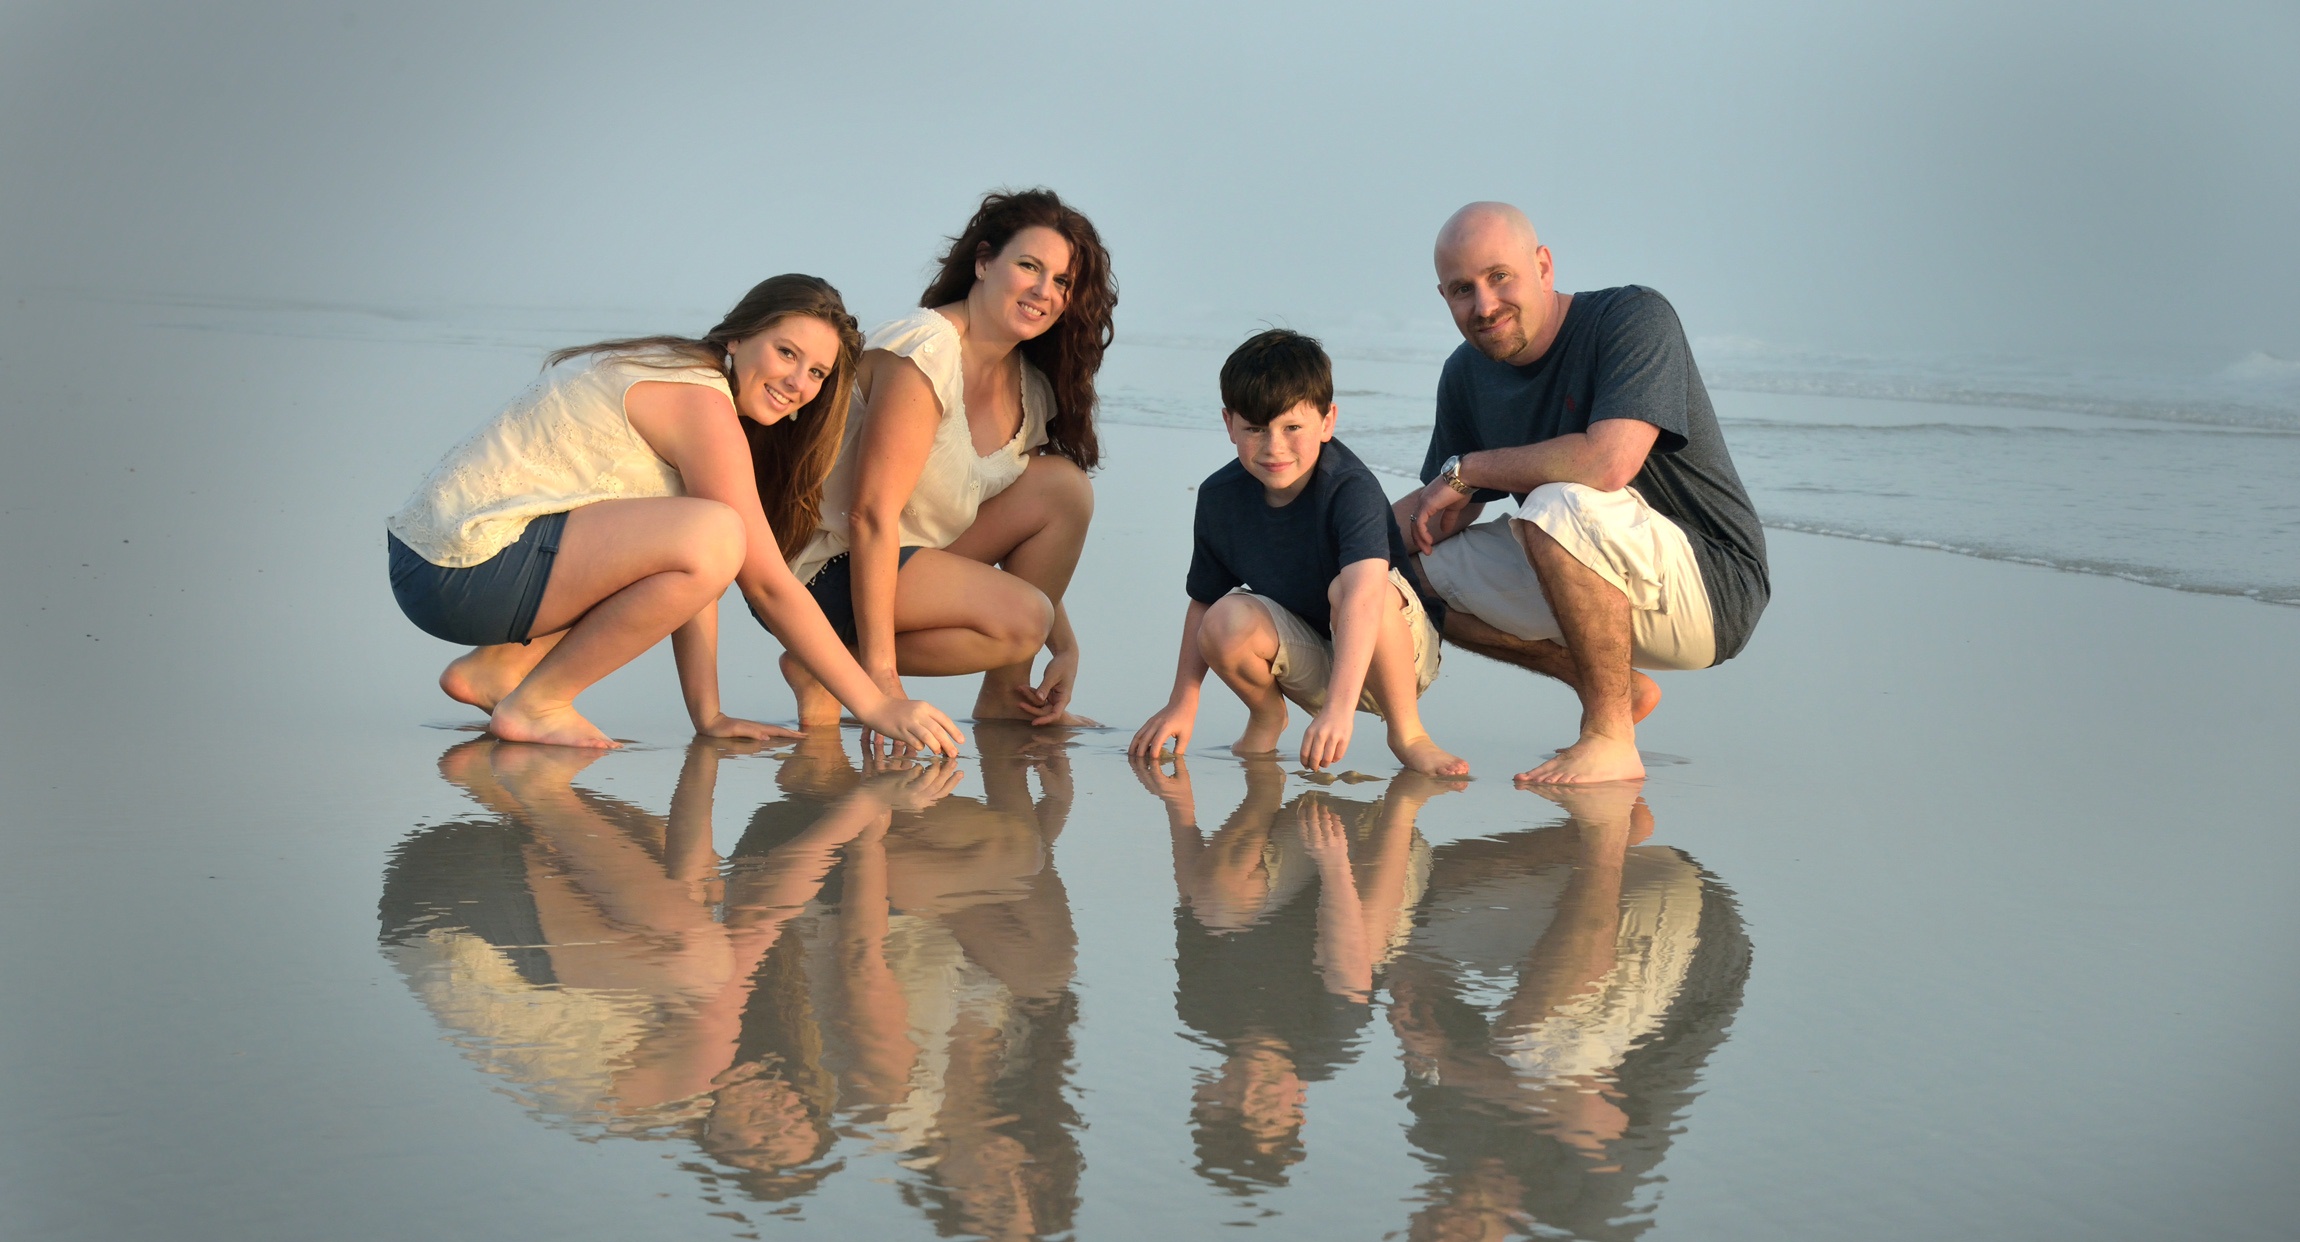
(1433,515)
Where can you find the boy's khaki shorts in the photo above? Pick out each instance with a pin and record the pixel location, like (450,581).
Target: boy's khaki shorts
(1305,663)
(1483,571)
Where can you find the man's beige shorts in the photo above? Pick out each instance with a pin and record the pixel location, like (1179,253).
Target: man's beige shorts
(1484,571)
(1305,663)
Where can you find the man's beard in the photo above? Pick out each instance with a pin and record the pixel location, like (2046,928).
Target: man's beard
(1506,344)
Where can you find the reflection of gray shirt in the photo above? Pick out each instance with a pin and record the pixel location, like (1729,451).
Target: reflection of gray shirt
(1621,354)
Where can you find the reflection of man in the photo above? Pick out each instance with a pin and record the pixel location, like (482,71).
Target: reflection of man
(1559,993)
(1634,545)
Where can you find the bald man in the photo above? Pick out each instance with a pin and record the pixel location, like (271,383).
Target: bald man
(1634,544)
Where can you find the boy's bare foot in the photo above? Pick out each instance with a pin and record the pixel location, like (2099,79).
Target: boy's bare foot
(1261,735)
(1644,696)
(817,705)
(559,725)
(1595,757)
(485,676)
(1417,751)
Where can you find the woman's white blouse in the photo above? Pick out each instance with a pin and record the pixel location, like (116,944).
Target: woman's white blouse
(956,479)
(565,443)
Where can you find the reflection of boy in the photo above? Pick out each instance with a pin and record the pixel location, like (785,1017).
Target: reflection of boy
(1297,583)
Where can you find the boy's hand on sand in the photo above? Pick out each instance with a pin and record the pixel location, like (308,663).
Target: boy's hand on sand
(909,722)
(724,725)
(1327,738)
(1174,721)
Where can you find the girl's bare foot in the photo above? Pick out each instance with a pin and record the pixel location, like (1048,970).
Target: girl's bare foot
(559,725)
(1417,751)
(817,706)
(1644,696)
(485,676)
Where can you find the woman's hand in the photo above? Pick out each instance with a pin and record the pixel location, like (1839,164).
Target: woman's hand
(721,724)
(1049,700)
(909,722)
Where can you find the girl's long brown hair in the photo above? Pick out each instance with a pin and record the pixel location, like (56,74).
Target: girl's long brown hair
(792,458)
(1071,351)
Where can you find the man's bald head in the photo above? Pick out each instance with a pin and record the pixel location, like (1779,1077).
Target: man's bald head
(1497,280)
(1488,223)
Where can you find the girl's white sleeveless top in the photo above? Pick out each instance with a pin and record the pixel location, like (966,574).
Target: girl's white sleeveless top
(956,479)
(565,443)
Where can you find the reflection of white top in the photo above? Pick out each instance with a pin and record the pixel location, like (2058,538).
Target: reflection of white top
(956,479)
(1487,929)
(565,443)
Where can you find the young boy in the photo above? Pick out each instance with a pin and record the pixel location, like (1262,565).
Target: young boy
(1297,585)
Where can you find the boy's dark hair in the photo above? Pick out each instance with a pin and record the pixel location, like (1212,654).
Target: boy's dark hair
(1273,372)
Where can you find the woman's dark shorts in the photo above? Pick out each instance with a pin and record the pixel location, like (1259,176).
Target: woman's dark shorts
(834,592)
(489,603)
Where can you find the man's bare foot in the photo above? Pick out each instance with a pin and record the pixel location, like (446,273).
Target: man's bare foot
(485,676)
(1644,696)
(1261,735)
(1419,753)
(817,705)
(1594,758)
(559,725)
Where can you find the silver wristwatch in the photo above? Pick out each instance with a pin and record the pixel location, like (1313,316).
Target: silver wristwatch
(1451,473)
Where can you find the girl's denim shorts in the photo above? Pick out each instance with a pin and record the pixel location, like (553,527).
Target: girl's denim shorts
(488,603)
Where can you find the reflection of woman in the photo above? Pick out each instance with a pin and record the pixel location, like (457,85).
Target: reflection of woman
(1286,912)
(612,505)
(1556,1001)
(955,515)
(875,953)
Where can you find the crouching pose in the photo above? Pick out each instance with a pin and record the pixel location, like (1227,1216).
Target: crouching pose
(1297,589)
(613,503)
(1634,543)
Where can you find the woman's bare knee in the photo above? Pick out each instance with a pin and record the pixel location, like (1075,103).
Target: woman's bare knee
(714,541)
(1068,491)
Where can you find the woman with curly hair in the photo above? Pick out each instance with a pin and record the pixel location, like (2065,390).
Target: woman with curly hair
(611,506)
(955,515)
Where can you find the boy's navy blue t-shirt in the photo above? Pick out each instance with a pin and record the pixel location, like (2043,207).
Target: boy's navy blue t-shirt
(1291,554)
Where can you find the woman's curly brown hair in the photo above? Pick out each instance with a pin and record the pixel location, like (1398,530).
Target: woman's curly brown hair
(1071,351)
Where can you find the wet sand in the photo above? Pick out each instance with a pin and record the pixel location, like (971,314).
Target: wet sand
(2008,850)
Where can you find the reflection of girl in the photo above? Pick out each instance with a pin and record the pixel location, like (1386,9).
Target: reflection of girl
(1555,1003)
(954,518)
(612,505)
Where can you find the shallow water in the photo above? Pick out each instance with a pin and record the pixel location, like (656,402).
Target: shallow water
(1962,908)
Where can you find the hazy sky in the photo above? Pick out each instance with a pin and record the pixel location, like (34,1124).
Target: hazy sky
(2083,179)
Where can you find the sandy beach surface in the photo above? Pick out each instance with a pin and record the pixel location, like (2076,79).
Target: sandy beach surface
(1992,865)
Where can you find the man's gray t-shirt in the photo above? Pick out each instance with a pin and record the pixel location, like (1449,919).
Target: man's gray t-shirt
(1622,354)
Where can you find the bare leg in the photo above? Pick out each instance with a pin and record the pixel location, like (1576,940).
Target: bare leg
(1034,530)
(1540,655)
(486,674)
(817,705)
(1240,643)
(628,573)
(1594,616)
(1392,679)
